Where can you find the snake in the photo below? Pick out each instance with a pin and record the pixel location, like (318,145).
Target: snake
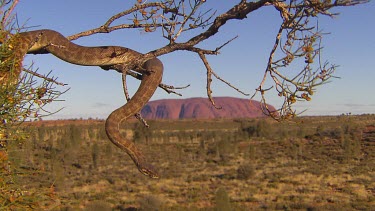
(106,57)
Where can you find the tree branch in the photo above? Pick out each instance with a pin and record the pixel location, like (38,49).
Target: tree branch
(297,39)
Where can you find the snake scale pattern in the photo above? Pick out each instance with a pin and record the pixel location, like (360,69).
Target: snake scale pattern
(106,57)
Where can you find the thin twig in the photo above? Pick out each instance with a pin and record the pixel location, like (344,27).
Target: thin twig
(126,92)
(9,11)
(44,77)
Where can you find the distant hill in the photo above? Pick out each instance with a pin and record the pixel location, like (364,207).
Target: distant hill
(201,108)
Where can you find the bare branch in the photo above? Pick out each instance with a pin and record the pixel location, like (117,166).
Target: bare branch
(137,22)
(209,79)
(297,42)
(239,11)
(9,11)
(47,78)
(126,92)
(168,88)
(302,42)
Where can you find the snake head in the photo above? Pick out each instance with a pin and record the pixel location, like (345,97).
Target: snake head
(148,170)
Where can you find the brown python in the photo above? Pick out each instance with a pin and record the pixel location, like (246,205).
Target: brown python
(106,57)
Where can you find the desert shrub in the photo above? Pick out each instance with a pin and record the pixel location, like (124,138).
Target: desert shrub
(301,131)
(351,147)
(259,129)
(98,206)
(336,133)
(224,150)
(75,135)
(95,154)
(353,130)
(249,130)
(263,129)
(142,134)
(102,135)
(222,200)
(250,153)
(245,171)
(150,202)
(319,130)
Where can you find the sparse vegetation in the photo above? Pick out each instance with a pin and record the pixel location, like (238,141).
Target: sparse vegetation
(76,162)
(329,165)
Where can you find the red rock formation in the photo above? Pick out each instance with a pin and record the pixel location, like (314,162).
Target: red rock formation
(201,108)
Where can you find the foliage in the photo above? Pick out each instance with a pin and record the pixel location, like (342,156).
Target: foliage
(24,94)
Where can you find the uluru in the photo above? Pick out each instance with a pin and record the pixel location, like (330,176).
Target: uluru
(201,108)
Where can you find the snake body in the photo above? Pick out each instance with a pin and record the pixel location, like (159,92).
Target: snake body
(107,57)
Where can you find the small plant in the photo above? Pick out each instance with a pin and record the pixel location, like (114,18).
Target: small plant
(150,203)
(245,171)
(98,206)
(222,200)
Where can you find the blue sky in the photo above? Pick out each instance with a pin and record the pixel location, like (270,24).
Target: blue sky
(95,93)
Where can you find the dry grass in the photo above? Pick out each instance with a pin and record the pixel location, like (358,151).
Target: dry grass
(292,172)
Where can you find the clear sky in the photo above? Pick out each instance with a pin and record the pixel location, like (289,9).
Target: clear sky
(95,93)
